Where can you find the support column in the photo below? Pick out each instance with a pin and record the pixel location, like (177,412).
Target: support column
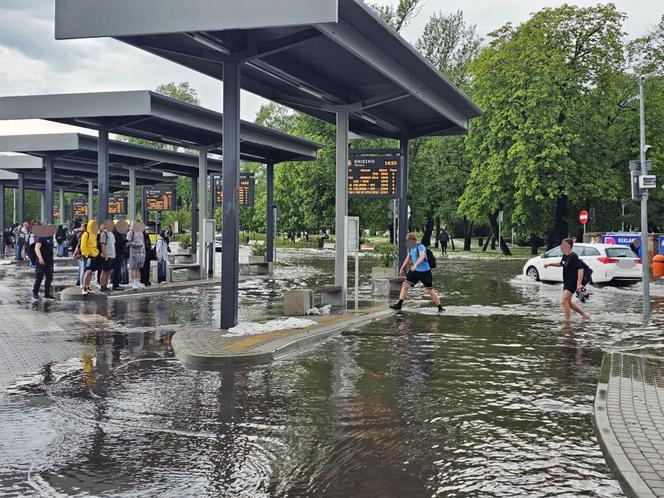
(194,215)
(269,232)
(403,200)
(2,217)
(61,206)
(231,184)
(341,204)
(91,198)
(21,198)
(144,207)
(131,211)
(42,207)
(102,174)
(48,190)
(202,208)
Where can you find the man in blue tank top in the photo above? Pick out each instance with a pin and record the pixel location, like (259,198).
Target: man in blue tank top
(420,271)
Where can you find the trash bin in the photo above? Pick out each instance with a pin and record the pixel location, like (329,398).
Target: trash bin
(658,266)
(321,243)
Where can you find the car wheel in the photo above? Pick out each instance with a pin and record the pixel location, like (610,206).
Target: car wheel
(533,273)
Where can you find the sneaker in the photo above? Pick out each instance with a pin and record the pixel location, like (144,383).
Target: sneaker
(396,306)
(118,288)
(441,309)
(49,297)
(135,286)
(84,292)
(105,290)
(35,297)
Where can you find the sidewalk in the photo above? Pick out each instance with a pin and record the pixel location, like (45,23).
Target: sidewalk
(629,420)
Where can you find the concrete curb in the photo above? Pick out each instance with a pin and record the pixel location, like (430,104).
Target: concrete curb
(273,349)
(622,469)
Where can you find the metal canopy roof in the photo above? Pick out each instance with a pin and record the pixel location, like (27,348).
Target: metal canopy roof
(316,57)
(151,116)
(69,175)
(79,152)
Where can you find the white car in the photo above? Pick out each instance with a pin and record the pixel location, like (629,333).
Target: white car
(610,264)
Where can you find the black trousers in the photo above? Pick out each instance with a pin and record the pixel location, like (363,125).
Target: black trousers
(41,272)
(116,278)
(145,272)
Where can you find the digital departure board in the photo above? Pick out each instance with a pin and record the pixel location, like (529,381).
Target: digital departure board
(376,177)
(117,205)
(159,198)
(80,208)
(246,193)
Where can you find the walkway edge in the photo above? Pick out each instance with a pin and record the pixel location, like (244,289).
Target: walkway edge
(270,350)
(622,469)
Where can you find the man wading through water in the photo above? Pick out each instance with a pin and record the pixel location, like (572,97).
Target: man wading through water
(573,272)
(420,271)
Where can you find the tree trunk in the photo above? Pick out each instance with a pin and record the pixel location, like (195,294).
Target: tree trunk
(426,238)
(504,248)
(467,234)
(560,224)
(534,244)
(435,242)
(486,244)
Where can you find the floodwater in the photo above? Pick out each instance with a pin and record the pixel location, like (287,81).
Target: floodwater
(494,398)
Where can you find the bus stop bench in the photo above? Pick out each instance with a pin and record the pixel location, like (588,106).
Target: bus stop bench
(331,294)
(193,271)
(261,268)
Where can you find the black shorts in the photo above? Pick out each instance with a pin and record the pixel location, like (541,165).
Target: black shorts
(91,264)
(570,286)
(107,265)
(413,277)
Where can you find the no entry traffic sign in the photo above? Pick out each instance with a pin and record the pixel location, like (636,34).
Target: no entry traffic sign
(583,217)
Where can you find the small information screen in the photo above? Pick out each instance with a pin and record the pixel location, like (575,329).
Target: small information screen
(160,198)
(117,205)
(80,208)
(376,177)
(56,211)
(246,193)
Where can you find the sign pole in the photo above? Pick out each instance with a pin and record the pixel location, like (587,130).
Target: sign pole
(645,259)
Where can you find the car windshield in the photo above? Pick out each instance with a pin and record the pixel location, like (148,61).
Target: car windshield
(554,253)
(620,252)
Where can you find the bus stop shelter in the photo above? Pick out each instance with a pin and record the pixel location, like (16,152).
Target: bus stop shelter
(151,116)
(333,59)
(67,162)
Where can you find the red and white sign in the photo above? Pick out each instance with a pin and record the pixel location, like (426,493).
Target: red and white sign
(583,217)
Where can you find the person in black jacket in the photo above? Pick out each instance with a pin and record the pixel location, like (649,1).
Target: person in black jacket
(573,271)
(149,256)
(120,262)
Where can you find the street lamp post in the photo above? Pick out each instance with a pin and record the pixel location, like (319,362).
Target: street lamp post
(644,197)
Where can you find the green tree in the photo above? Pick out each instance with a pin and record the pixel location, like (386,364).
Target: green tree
(549,89)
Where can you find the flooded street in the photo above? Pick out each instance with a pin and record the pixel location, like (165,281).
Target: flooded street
(494,398)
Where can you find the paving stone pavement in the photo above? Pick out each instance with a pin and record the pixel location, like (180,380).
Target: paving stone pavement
(30,339)
(629,419)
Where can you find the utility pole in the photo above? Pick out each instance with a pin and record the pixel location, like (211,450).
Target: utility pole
(645,253)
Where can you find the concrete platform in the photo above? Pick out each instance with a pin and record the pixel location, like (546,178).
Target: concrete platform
(629,420)
(212,350)
(74,293)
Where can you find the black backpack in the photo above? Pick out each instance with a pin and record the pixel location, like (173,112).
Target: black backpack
(587,272)
(431,259)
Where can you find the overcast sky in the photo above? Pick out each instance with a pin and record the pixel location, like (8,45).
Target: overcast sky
(33,62)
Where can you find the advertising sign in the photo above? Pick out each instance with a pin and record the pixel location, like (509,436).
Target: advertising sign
(661,245)
(621,239)
(376,177)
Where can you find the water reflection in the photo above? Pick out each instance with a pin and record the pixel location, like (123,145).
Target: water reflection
(492,399)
